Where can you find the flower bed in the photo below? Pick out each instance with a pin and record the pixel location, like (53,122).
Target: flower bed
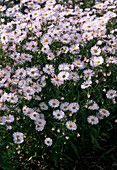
(57,78)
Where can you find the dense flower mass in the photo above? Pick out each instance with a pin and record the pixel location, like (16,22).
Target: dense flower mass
(55,62)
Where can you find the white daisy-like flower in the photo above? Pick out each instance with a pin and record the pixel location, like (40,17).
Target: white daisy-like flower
(104,112)
(63,66)
(73,107)
(12,98)
(9,118)
(50,56)
(27,111)
(49,69)
(88,73)
(48,141)
(46,40)
(4,38)
(64,106)
(37,88)
(93,105)
(2,121)
(99,115)
(74,76)
(43,106)
(86,84)
(32,71)
(28,90)
(54,103)
(40,122)
(39,128)
(93,120)
(58,114)
(26,57)
(95,50)
(71,125)
(20,73)
(18,137)
(111,94)
(36,97)
(57,81)
(96,61)
(78,63)
(63,75)
(111,59)
(34,116)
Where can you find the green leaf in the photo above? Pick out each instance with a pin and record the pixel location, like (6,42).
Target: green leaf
(75,149)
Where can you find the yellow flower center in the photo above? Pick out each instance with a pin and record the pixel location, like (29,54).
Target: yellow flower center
(46,40)
(111,94)
(111,59)
(78,63)
(8,118)
(12,98)
(70,126)
(95,51)
(28,91)
(20,73)
(57,79)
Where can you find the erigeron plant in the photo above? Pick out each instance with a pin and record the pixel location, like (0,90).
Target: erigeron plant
(57,74)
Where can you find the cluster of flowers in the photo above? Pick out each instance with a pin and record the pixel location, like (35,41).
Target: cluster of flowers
(29,36)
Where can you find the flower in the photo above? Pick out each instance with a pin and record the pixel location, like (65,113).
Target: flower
(34,116)
(48,141)
(40,122)
(74,76)
(53,103)
(58,114)
(18,137)
(96,61)
(37,88)
(73,107)
(9,118)
(63,66)
(104,112)
(64,106)
(39,128)
(111,94)
(95,50)
(2,121)
(12,98)
(93,120)
(63,75)
(111,59)
(49,69)
(79,64)
(27,111)
(28,90)
(46,39)
(71,125)
(56,81)
(4,38)
(88,73)
(86,84)
(92,105)
(99,115)
(43,106)
(20,73)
